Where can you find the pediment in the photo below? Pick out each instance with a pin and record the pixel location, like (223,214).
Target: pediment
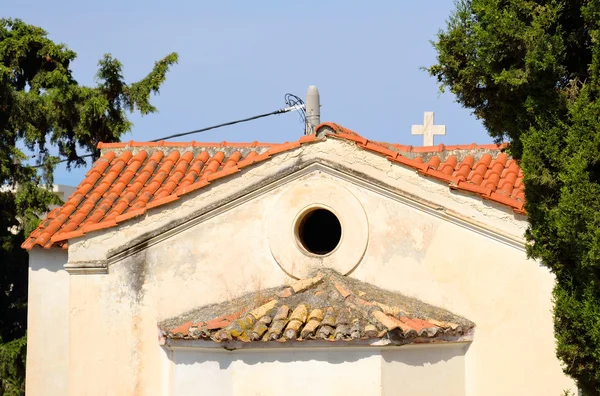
(330,185)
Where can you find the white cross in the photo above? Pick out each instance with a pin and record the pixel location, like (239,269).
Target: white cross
(428,130)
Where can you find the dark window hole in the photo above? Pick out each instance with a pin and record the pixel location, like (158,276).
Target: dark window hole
(319,231)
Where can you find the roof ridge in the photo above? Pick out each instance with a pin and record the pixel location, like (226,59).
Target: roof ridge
(336,128)
(340,130)
(193,143)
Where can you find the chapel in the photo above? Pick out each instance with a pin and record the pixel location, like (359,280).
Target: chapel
(332,264)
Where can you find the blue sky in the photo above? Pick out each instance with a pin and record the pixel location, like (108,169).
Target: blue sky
(238,59)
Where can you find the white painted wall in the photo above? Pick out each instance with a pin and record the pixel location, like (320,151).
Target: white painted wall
(114,339)
(424,241)
(429,370)
(421,371)
(47,371)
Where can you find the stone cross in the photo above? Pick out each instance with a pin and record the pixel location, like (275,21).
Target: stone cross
(428,130)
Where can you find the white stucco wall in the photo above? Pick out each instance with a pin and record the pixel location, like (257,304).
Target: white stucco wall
(276,372)
(47,371)
(447,249)
(114,339)
(416,371)
(424,370)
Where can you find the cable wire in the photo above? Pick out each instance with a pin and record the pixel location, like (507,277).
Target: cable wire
(293,102)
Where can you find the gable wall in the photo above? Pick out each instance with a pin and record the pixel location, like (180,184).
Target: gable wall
(421,255)
(100,245)
(485,281)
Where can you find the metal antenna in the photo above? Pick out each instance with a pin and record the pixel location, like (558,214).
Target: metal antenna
(313,110)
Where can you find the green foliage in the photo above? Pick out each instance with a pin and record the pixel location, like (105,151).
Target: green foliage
(43,107)
(12,367)
(531,71)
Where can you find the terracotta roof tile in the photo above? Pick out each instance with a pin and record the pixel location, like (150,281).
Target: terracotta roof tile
(133,177)
(484,166)
(325,307)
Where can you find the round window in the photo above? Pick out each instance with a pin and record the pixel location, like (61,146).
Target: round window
(319,231)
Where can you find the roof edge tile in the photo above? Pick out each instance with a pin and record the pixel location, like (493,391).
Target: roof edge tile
(130,215)
(98,226)
(162,201)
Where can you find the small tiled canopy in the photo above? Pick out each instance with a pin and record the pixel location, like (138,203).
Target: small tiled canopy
(326,306)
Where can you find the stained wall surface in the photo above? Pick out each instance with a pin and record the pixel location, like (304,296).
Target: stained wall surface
(448,250)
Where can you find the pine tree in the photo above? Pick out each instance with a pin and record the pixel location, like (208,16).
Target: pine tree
(43,111)
(531,71)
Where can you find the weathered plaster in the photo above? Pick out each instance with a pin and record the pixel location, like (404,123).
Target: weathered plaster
(424,371)
(308,193)
(102,244)
(448,249)
(47,371)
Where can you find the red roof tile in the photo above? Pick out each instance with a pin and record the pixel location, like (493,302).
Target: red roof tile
(130,178)
(327,306)
(481,169)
